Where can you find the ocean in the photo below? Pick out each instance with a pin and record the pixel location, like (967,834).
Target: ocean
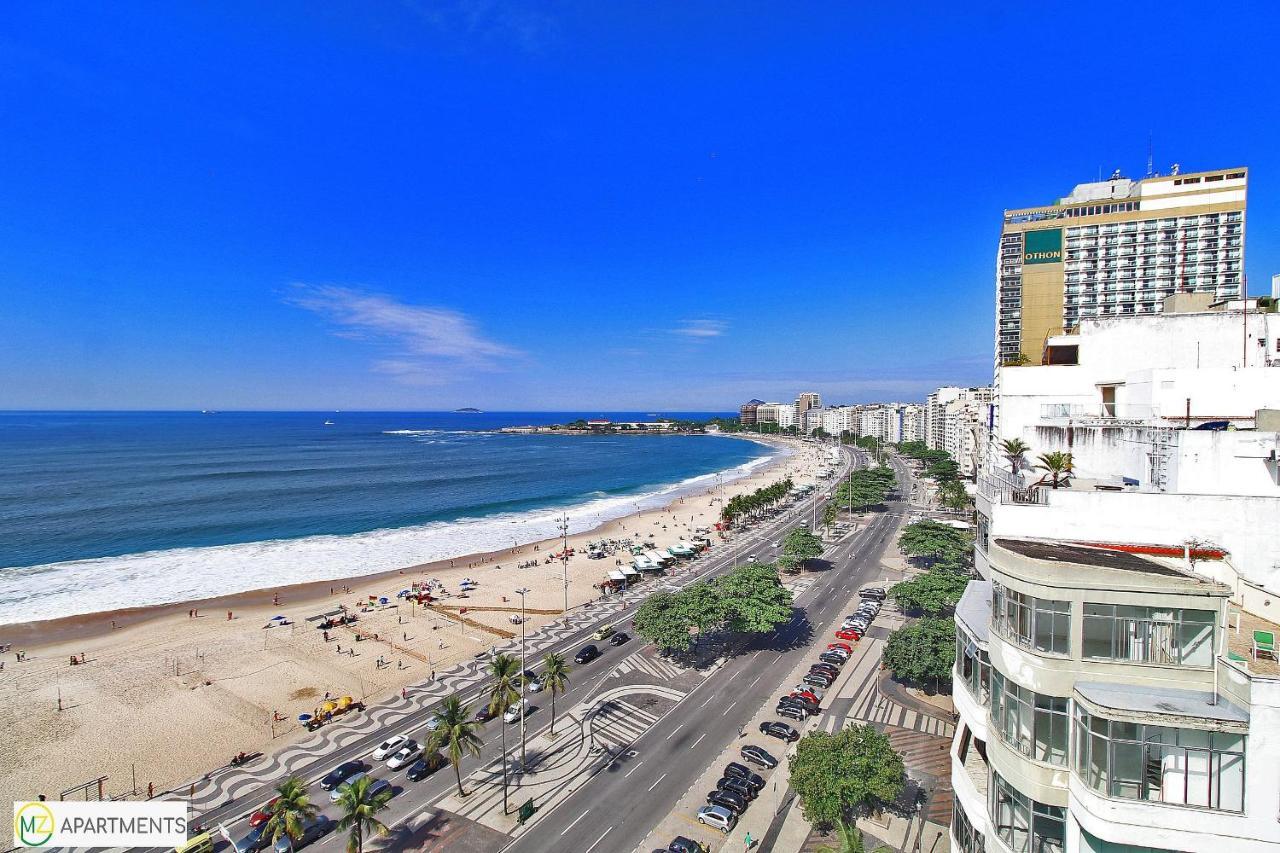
(100,511)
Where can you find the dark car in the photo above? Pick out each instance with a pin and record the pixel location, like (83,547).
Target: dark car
(680,844)
(873,592)
(758,756)
(807,705)
(737,786)
(828,669)
(782,731)
(731,800)
(792,712)
(424,767)
(340,774)
(744,773)
(818,680)
(254,840)
(832,658)
(485,714)
(619,638)
(311,832)
(586,654)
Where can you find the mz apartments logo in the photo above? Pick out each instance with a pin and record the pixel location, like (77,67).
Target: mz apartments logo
(33,824)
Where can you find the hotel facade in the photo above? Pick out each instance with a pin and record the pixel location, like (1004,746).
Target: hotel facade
(1113,248)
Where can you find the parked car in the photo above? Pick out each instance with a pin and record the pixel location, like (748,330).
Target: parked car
(254,840)
(406,755)
(832,658)
(791,712)
(516,711)
(741,771)
(781,731)
(758,756)
(586,654)
(619,638)
(738,786)
(340,774)
(424,767)
(841,646)
(731,800)
(818,692)
(337,792)
(389,747)
(818,679)
(718,817)
(804,694)
(810,708)
(848,634)
(680,844)
(874,593)
(840,653)
(312,830)
(825,668)
(604,633)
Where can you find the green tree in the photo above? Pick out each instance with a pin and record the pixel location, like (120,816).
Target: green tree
(952,495)
(555,677)
(931,539)
(1057,465)
(662,620)
(847,772)
(1014,449)
(923,651)
(802,546)
(931,592)
(504,669)
(754,599)
(849,839)
(455,733)
(359,812)
(292,809)
(943,470)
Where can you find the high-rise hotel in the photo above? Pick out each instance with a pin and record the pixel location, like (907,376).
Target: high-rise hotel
(1116,247)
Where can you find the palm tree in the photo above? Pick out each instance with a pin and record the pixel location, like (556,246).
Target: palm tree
(292,808)
(455,732)
(505,669)
(358,811)
(1057,464)
(555,675)
(850,840)
(1013,449)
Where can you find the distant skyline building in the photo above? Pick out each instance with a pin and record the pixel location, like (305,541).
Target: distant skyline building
(957,420)
(747,412)
(1116,247)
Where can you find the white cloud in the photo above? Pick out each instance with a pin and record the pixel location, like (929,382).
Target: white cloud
(423,344)
(699,329)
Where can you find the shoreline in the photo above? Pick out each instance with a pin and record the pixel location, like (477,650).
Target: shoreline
(96,624)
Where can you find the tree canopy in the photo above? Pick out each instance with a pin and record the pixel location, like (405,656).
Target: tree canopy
(750,599)
(931,592)
(922,651)
(799,547)
(863,488)
(928,538)
(845,772)
(751,504)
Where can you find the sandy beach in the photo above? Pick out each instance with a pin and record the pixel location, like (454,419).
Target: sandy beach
(166,694)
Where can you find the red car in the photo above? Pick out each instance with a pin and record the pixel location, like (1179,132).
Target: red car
(805,694)
(842,646)
(848,634)
(262,815)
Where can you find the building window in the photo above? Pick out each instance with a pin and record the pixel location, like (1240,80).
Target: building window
(1038,623)
(1036,726)
(1159,764)
(1172,637)
(973,666)
(1023,824)
(969,839)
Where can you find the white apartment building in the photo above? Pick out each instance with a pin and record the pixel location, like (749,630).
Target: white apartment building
(1111,698)
(956,420)
(838,420)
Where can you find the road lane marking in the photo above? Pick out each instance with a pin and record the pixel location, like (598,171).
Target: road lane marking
(778,658)
(655,784)
(698,741)
(598,840)
(730,708)
(634,769)
(708,702)
(676,729)
(570,826)
(753,683)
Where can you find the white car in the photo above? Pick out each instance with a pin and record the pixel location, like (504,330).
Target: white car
(532,682)
(816,691)
(389,747)
(405,756)
(516,711)
(717,816)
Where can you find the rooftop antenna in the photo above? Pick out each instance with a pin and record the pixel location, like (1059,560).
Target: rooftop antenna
(1150,164)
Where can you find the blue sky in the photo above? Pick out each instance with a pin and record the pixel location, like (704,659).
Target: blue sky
(646,205)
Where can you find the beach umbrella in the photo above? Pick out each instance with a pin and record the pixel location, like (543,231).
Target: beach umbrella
(345,702)
(382,600)
(304,718)
(277,618)
(328,708)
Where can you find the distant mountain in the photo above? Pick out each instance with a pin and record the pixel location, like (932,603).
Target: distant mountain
(468,411)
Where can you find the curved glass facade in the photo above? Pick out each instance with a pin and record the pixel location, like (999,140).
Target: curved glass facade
(1159,764)
(1031,723)
(972,666)
(1023,824)
(1037,623)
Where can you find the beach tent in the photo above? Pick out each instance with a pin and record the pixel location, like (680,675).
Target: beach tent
(658,558)
(615,575)
(630,571)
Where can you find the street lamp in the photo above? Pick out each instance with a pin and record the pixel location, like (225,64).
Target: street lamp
(564,556)
(521,592)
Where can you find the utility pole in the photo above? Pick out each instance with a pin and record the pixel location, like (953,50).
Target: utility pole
(522,592)
(564,556)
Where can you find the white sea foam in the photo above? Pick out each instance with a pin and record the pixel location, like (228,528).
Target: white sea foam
(76,587)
